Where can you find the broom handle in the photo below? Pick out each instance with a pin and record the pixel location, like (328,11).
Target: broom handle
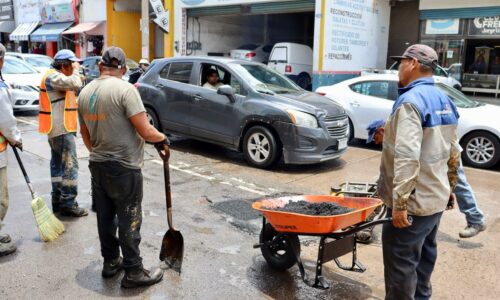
(24,171)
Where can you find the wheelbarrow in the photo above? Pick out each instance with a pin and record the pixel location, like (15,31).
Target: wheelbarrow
(279,238)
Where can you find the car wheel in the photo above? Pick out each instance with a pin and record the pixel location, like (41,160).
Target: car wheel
(303,80)
(481,149)
(261,147)
(153,118)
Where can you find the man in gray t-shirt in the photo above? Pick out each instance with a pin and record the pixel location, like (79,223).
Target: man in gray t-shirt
(114,126)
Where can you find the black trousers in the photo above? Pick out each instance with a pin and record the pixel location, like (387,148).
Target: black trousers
(409,258)
(117,194)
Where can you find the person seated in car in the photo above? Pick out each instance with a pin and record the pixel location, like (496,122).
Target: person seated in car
(212,80)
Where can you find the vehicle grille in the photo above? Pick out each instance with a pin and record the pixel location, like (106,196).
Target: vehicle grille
(338,126)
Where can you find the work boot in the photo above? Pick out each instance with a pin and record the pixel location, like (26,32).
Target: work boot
(112,267)
(7,248)
(5,238)
(56,207)
(74,211)
(141,277)
(471,230)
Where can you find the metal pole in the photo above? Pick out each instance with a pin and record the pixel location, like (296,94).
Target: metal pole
(145,29)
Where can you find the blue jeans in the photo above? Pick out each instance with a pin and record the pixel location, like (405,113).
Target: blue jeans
(467,201)
(64,170)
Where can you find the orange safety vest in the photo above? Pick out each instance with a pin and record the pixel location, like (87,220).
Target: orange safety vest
(45,113)
(3,143)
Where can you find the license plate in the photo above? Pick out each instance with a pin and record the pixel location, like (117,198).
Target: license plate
(342,144)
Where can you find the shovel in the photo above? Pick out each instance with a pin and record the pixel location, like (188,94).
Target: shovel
(172,246)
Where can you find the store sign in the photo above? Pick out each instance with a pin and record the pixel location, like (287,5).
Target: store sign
(485,26)
(6,10)
(57,11)
(186,3)
(28,11)
(444,26)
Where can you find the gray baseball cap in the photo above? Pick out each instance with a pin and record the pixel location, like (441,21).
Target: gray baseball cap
(114,57)
(2,50)
(423,53)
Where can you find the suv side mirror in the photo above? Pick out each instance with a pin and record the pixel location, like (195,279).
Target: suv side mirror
(227,91)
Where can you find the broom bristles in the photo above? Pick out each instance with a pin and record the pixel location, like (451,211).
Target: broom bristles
(49,227)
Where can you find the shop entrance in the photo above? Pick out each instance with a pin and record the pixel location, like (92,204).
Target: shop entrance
(483,56)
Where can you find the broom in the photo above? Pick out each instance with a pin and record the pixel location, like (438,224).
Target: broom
(49,227)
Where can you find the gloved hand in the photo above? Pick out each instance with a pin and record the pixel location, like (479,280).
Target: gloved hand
(18,144)
(163,145)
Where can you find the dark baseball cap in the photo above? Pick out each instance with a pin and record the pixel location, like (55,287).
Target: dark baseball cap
(423,53)
(114,57)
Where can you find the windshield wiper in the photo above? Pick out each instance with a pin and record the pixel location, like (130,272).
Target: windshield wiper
(266,92)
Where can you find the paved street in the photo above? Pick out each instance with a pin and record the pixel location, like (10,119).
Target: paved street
(213,189)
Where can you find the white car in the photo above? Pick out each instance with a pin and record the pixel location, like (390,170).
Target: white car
(440,75)
(24,82)
(371,97)
(252,52)
(294,61)
(39,62)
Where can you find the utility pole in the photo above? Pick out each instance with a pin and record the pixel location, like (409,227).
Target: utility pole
(145,29)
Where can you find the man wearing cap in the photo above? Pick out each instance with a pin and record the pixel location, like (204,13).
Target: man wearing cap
(58,119)
(418,172)
(9,134)
(114,126)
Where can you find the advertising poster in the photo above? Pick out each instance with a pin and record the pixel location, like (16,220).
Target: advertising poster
(57,11)
(354,31)
(445,26)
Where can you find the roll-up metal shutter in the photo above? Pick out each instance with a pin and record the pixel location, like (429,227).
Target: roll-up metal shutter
(254,9)
(463,13)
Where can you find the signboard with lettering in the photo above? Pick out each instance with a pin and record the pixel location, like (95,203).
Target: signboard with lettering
(56,11)
(6,10)
(443,26)
(485,26)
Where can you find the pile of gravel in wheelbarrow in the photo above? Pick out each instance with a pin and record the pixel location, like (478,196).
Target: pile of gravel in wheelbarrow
(314,208)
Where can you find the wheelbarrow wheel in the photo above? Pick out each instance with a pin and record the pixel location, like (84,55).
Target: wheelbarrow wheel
(277,250)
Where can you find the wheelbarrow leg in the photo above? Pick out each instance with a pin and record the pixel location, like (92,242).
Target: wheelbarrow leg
(319,280)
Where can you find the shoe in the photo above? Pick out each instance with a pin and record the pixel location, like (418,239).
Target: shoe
(141,277)
(111,268)
(74,211)
(7,248)
(56,207)
(5,238)
(471,230)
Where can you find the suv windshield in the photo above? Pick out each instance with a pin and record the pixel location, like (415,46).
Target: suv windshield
(457,97)
(265,80)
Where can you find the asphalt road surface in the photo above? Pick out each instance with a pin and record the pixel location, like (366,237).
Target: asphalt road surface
(213,190)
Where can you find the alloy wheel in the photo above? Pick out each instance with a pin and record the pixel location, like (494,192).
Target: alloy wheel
(480,150)
(258,147)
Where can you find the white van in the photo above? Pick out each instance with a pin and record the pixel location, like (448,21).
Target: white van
(294,61)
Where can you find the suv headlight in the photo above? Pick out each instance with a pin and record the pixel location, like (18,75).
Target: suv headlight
(303,119)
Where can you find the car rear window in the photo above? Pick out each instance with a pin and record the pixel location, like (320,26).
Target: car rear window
(248,47)
(180,72)
(279,54)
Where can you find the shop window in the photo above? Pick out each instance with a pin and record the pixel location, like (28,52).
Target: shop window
(380,89)
(180,72)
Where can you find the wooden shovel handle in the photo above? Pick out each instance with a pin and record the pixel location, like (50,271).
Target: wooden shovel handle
(166,172)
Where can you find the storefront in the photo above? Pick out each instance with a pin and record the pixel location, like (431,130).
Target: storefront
(346,36)
(27,16)
(90,33)
(7,24)
(468,44)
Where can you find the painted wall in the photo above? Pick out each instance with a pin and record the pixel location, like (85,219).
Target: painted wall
(92,11)
(442,4)
(404,28)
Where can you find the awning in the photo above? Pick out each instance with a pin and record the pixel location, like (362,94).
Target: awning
(49,32)
(23,31)
(7,26)
(94,28)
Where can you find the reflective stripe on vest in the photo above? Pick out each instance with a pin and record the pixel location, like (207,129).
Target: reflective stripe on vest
(3,143)
(45,113)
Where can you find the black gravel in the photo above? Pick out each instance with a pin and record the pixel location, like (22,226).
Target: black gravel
(314,209)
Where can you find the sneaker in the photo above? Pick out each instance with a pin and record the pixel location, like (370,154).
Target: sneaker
(471,230)
(141,277)
(7,248)
(5,238)
(112,267)
(74,211)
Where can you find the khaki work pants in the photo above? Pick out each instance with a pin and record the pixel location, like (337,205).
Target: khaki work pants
(4,195)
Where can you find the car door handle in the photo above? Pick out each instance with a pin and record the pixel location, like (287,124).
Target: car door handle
(159,85)
(355,104)
(197,98)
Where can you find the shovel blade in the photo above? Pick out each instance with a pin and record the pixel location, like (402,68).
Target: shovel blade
(172,249)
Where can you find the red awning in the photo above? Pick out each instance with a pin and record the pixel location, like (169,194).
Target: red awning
(93,28)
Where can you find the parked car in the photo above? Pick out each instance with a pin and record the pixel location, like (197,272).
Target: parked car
(252,52)
(24,82)
(91,68)
(293,60)
(39,62)
(256,110)
(440,75)
(371,97)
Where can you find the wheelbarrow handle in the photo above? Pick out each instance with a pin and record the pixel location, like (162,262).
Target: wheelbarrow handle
(366,225)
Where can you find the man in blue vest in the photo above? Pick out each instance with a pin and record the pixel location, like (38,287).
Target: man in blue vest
(418,172)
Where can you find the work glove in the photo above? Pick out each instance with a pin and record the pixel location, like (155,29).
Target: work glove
(18,145)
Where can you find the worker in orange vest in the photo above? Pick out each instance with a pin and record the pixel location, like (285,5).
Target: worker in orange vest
(8,134)
(58,119)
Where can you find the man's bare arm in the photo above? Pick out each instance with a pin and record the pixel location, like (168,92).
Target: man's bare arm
(84,131)
(146,130)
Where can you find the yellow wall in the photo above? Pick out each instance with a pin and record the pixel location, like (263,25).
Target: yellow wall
(169,37)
